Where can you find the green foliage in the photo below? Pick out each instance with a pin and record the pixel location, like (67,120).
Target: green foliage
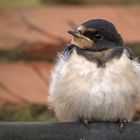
(31,112)
(113,2)
(18,2)
(135,49)
(95,2)
(74,2)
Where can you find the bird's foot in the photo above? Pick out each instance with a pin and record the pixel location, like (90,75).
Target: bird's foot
(85,122)
(122,122)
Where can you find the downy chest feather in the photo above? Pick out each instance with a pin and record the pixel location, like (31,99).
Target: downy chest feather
(82,80)
(86,90)
(80,72)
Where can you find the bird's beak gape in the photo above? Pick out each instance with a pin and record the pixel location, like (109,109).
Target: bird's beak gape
(80,40)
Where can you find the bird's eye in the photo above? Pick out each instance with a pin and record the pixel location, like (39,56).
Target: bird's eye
(98,35)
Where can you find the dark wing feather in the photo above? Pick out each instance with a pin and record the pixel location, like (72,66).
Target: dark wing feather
(68,51)
(130,53)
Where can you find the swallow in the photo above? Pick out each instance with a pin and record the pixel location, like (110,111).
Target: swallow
(95,78)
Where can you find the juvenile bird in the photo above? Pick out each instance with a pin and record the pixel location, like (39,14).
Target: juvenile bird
(95,77)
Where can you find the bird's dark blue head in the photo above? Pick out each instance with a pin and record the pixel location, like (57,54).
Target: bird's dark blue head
(97,40)
(96,34)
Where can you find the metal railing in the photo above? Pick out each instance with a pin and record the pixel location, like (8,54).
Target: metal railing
(68,131)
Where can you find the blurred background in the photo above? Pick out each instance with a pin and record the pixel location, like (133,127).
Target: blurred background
(32,32)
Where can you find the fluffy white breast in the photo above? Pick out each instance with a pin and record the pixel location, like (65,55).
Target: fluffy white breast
(81,90)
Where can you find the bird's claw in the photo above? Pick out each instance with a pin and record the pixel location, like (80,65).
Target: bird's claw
(122,122)
(85,122)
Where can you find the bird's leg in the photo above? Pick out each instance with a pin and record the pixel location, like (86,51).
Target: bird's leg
(84,121)
(122,122)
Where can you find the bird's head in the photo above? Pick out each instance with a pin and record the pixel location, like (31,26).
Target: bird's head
(98,41)
(96,35)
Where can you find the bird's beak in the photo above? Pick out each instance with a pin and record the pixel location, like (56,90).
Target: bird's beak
(80,40)
(75,33)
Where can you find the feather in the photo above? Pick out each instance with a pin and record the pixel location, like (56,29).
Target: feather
(81,90)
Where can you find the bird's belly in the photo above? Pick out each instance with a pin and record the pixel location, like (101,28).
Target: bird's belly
(99,102)
(85,91)
(95,96)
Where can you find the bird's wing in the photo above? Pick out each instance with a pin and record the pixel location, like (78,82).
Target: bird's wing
(58,70)
(129,53)
(68,51)
(137,71)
